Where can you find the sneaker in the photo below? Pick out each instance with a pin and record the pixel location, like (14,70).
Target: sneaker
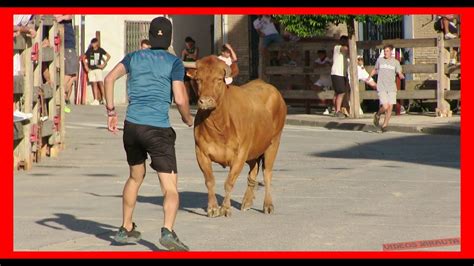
(20,116)
(376,119)
(124,236)
(44,118)
(67,109)
(68,102)
(171,241)
(402,110)
(384,129)
(101,102)
(345,112)
(339,115)
(95,102)
(449,35)
(326,112)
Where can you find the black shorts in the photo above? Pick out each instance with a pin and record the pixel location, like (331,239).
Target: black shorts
(158,142)
(340,84)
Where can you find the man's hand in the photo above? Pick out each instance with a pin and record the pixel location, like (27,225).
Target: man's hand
(401,76)
(32,33)
(102,66)
(188,120)
(112,123)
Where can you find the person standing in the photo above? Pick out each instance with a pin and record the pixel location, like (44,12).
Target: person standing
(71,63)
(154,77)
(387,68)
(340,82)
(94,64)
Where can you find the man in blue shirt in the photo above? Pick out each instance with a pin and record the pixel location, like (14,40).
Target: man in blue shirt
(154,77)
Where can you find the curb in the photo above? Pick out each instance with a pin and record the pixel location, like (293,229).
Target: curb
(354,126)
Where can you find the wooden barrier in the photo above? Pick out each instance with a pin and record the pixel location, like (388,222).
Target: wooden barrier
(286,76)
(39,91)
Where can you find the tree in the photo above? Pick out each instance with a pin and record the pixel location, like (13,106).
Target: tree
(316,25)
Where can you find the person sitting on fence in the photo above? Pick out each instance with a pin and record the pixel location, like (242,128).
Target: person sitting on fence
(445,24)
(145,44)
(21,24)
(363,75)
(266,29)
(190,53)
(94,64)
(324,81)
(229,57)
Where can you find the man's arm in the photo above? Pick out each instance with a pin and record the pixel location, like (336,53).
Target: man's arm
(107,55)
(118,71)
(182,101)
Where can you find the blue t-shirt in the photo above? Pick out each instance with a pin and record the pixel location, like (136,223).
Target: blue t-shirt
(150,77)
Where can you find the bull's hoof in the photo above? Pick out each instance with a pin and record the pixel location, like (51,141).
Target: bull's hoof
(269,209)
(213,212)
(225,211)
(247,203)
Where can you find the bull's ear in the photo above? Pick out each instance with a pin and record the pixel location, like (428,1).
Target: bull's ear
(191,72)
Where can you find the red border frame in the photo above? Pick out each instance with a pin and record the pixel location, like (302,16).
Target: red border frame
(6,187)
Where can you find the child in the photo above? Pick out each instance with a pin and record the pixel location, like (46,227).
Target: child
(229,57)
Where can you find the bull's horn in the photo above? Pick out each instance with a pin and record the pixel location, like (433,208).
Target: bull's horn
(189,64)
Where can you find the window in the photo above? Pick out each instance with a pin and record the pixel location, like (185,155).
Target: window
(135,31)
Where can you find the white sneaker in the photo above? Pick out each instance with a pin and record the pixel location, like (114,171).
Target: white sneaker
(44,118)
(449,35)
(95,102)
(326,112)
(402,110)
(20,116)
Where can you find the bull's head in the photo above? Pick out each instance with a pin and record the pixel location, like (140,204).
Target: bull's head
(209,75)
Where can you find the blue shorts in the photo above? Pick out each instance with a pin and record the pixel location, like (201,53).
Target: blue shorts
(272,38)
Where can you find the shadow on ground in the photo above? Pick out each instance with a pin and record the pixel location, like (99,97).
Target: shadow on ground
(64,221)
(433,150)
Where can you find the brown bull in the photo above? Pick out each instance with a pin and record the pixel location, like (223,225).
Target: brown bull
(233,126)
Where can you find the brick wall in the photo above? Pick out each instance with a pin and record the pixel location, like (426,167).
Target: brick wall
(423,28)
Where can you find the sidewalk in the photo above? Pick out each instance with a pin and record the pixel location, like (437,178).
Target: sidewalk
(408,123)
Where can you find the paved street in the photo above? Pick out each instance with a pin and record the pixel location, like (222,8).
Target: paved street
(333,190)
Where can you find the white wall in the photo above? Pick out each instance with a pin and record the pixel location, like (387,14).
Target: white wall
(112,34)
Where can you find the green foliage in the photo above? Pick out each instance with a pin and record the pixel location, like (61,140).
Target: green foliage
(316,25)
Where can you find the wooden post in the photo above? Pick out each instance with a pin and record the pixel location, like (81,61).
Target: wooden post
(354,83)
(443,107)
(24,147)
(62,123)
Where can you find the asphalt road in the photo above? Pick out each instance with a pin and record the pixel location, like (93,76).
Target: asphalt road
(332,190)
